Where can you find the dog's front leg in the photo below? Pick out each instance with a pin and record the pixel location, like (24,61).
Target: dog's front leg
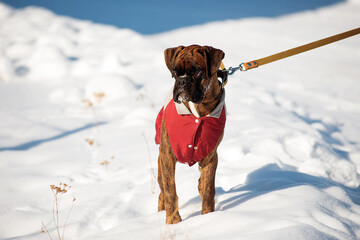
(161,202)
(206,186)
(168,192)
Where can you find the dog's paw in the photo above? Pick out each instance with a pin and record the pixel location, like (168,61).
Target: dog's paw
(173,220)
(205,211)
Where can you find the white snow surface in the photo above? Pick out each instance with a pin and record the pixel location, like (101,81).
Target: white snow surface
(289,164)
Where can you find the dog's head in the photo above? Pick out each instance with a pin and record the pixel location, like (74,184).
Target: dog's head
(194,69)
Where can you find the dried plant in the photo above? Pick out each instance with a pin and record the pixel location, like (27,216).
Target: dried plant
(90,104)
(169,233)
(90,141)
(58,193)
(105,163)
(143,97)
(99,96)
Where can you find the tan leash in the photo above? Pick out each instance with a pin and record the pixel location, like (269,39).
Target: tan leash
(288,53)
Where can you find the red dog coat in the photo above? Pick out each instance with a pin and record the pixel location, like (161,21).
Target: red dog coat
(191,138)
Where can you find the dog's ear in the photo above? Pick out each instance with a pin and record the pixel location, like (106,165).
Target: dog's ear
(170,55)
(214,57)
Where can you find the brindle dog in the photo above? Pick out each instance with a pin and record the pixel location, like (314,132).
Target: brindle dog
(195,69)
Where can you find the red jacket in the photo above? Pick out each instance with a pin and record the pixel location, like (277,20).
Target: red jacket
(191,138)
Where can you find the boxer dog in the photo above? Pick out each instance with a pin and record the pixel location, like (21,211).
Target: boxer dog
(190,126)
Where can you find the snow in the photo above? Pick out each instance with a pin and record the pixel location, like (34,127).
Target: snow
(74,94)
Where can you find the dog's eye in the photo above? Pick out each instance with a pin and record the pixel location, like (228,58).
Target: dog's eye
(197,73)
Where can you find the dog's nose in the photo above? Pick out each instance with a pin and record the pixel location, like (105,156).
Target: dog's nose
(182,81)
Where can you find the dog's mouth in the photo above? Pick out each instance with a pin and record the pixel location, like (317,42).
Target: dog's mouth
(182,96)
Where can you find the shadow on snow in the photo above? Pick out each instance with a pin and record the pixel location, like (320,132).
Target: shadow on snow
(268,179)
(34,143)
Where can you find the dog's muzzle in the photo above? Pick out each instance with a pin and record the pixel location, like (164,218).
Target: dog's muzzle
(180,93)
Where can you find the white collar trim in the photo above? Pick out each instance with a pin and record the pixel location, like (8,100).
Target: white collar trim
(183,110)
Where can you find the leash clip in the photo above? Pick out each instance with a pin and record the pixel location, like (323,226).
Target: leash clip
(232,70)
(242,67)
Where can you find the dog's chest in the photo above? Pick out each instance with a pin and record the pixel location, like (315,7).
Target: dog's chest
(191,138)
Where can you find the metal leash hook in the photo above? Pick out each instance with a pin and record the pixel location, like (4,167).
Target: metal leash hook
(232,70)
(242,67)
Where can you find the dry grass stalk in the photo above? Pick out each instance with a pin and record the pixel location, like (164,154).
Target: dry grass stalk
(58,192)
(152,171)
(90,141)
(99,96)
(44,229)
(169,233)
(143,96)
(105,163)
(90,104)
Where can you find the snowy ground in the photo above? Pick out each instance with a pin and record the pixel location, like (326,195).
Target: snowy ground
(289,163)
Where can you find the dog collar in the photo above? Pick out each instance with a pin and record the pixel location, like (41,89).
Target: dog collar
(183,110)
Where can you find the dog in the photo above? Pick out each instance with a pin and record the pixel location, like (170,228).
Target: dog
(191,124)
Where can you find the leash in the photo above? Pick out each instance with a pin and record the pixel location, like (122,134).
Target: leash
(288,53)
